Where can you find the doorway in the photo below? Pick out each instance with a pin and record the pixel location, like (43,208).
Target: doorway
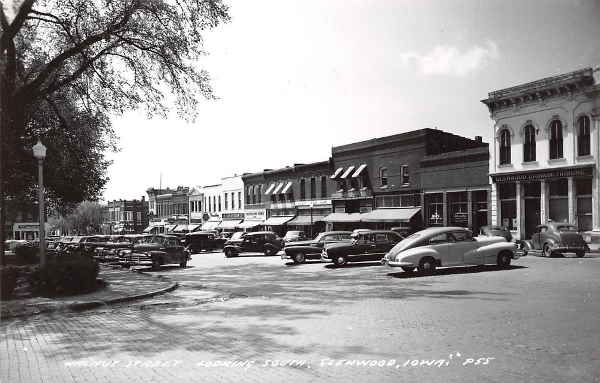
(532,216)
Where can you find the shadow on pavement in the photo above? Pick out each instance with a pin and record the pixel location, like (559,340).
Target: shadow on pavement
(455,270)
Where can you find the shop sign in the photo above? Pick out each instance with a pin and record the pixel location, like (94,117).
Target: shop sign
(312,203)
(461,218)
(547,174)
(259,214)
(26,226)
(232,216)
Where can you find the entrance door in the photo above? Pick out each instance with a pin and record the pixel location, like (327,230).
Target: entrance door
(532,216)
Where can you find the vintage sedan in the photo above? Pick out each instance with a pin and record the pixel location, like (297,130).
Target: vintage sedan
(449,246)
(555,238)
(156,251)
(300,251)
(265,242)
(368,245)
(203,240)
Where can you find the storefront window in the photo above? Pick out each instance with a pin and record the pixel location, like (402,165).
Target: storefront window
(435,209)
(583,190)
(479,199)
(458,205)
(559,201)
(508,205)
(383,176)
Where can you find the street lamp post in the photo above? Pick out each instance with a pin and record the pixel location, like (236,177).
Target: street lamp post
(39,152)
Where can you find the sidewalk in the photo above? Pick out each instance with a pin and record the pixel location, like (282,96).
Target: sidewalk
(121,286)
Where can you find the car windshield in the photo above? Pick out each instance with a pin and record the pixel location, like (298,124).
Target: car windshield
(319,236)
(237,235)
(566,228)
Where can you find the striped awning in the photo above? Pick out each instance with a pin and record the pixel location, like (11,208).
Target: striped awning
(278,188)
(270,188)
(286,188)
(347,172)
(337,173)
(359,170)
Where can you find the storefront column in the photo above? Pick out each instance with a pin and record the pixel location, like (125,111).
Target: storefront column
(469,210)
(596,201)
(445,208)
(520,210)
(572,199)
(423,219)
(544,202)
(494,206)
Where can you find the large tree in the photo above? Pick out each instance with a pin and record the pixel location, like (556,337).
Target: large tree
(66,65)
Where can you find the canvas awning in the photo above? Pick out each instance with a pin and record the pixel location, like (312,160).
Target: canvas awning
(359,170)
(270,188)
(229,224)
(347,172)
(337,173)
(250,223)
(278,188)
(390,215)
(277,221)
(210,225)
(343,217)
(305,220)
(286,188)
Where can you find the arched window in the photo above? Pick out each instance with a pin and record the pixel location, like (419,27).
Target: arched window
(505,147)
(556,140)
(383,176)
(529,144)
(583,136)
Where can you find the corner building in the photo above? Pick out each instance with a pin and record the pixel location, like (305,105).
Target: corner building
(544,163)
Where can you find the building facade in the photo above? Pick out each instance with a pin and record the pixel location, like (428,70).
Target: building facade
(126,216)
(292,198)
(196,200)
(544,163)
(168,204)
(408,180)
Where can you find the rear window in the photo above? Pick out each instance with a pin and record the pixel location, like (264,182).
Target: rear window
(566,228)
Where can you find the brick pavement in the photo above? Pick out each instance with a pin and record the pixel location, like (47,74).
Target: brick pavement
(539,321)
(121,285)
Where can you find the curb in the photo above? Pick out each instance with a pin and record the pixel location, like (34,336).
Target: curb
(82,306)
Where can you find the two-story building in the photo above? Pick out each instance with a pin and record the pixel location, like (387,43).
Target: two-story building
(126,216)
(425,177)
(544,163)
(169,205)
(292,198)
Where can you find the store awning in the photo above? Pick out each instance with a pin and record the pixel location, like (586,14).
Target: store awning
(210,225)
(278,188)
(305,220)
(343,217)
(359,170)
(277,221)
(149,228)
(193,227)
(286,188)
(229,224)
(390,215)
(250,223)
(347,172)
(169,227)
(270,188)
(337,173)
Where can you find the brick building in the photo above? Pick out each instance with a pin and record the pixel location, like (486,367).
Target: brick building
(126,216)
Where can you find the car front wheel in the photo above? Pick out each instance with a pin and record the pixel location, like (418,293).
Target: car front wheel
(504,259)
(339,260)
(270,251)
(299,258)
(548,251)
(228,253)
(427,265)
(580,254)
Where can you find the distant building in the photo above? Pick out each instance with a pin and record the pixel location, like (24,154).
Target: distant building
(545,158)
(125,216)
(169,205)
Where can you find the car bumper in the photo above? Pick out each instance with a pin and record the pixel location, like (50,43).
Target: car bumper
(325,259)
(389,263)
(568,249)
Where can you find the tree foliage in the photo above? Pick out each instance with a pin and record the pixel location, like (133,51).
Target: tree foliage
(66,65)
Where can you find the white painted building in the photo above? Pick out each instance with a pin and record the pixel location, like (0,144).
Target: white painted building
(545,161)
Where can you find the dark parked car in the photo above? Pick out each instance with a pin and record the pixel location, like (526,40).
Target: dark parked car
(556,238)
(90,243)
(499,231)
(265,242)
(366,246)
(203,240)
(302,250)
(156,251)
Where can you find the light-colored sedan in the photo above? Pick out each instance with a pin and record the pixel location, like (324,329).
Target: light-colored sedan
(449,246)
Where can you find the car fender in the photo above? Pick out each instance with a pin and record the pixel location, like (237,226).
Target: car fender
(303,249)
(415,254)
(233,248)
(489,251)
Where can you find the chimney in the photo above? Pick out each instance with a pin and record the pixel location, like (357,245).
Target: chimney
(478,139)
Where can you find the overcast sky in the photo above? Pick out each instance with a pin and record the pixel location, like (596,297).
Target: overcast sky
(295,78)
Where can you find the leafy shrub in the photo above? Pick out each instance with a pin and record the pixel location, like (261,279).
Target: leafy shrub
(65,275)
(27,253)
(8,281)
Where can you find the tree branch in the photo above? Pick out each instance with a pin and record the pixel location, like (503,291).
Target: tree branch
(10,30)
